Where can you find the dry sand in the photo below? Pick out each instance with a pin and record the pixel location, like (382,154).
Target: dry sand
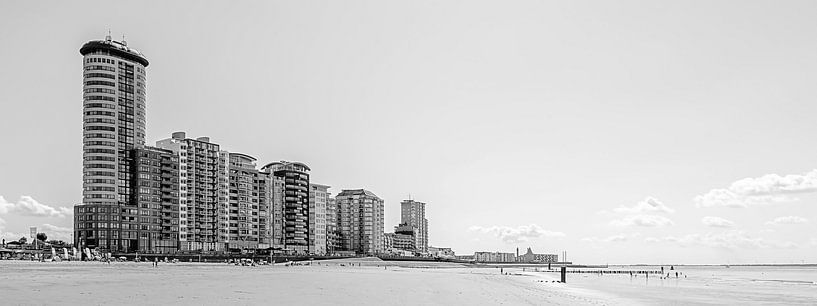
(322,283)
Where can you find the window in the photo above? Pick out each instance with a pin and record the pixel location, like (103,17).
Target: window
(100,166)
(104,83)
(100,75)
(100,113)
(102,90)
(100,128)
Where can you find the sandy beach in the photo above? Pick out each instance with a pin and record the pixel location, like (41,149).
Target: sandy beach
(322,283)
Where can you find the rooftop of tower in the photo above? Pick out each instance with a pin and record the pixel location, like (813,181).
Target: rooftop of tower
(116,48)
(351,192)
(285,163)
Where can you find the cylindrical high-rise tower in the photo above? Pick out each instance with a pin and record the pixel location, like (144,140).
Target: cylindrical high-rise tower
(113,124)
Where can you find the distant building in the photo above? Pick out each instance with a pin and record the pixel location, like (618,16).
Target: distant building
(318,199)
(360,221)
(529,256)
(403,240)
(155,198)
(113,114)
(248,204)
(464,257)
(441,252)
(203,192)
(388,241)
(494,257)
(413,213)
(332,232)
(290,206)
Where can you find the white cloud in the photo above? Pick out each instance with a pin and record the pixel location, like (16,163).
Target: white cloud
(732,239)
(717,222)
(613,238)
(648,205)
(766,189)
(56,232)
(643,220)
(787,220)
(27,206)
(517,234)
(773,183)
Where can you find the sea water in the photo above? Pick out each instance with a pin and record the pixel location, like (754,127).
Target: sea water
(708,285)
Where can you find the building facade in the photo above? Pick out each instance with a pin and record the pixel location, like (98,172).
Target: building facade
(360,221)
(494,257)
(203,192)
(289,184)
(248,212)
(155,194)
(114,88)
(529,256)
(441,252)
(413,213)
(318,199)
(332,233)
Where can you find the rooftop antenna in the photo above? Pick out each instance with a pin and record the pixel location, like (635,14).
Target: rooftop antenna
(124,43)
(108,37)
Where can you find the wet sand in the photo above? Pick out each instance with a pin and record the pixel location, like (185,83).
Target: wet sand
(322,283)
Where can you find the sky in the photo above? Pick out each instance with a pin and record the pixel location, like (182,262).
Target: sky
(618,131)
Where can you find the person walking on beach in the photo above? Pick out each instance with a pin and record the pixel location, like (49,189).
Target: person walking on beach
(155,262)
(501,271)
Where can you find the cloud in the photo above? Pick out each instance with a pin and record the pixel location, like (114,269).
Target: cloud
(648,205)
(643,220)
(732,239)
(787,220)
(613,238)
(27,206)
(717,222)
(517,234)
(766,189)
(56,232)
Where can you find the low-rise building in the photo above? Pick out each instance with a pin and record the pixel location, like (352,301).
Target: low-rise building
(464,257)
(441,252)
(494,257)
(360,221)
(529,256)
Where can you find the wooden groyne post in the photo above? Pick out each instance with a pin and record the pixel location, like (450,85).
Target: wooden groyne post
(564,274)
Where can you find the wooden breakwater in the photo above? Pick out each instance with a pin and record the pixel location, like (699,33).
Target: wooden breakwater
(563,271)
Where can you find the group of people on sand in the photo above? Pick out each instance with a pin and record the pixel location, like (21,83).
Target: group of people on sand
(669,274)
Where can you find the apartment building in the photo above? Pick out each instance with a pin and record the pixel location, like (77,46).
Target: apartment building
(318,199)
(203,192)
(113,125)
(360,221)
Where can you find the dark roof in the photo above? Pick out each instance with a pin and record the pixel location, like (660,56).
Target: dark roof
(243,155)
(284,163)
(348,192)
(115,48)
